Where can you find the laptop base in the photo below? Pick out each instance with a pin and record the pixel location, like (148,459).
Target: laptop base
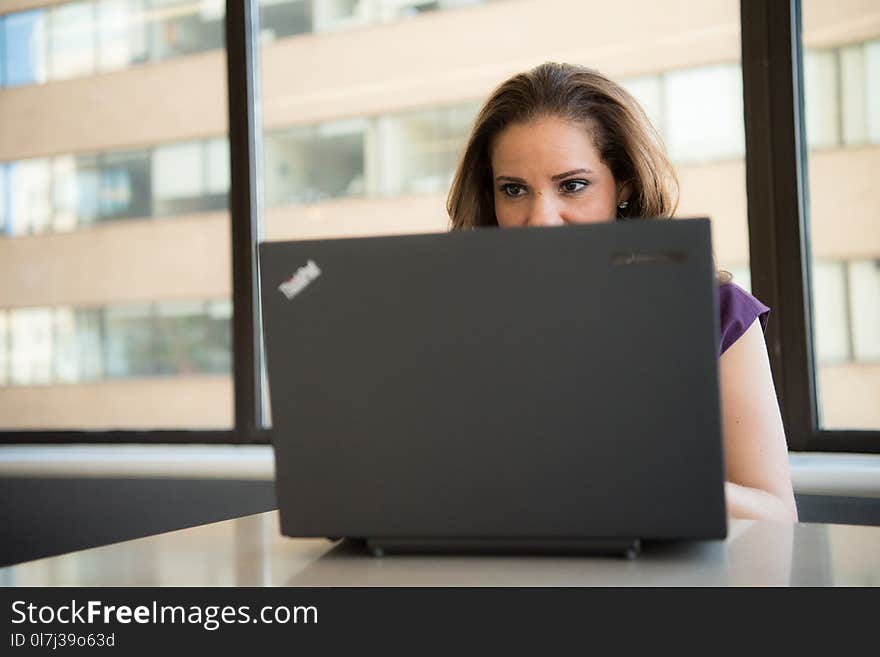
(628,548)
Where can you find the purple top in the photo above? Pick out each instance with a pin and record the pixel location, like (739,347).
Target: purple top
(739,309)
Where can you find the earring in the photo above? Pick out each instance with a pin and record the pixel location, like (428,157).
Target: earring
(622,205)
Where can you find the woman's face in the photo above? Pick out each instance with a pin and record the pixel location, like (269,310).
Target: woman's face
(548,172)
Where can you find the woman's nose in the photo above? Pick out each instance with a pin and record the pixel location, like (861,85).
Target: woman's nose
(544,211)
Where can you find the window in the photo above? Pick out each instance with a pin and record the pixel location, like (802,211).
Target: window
(78,337)
(190,177)
(183,27)
(25,47)
(31,343)
(72,39)
(831,299)
(178,177)
(4,199)
(124,185)
(310,164)
(29,190)
(421,149)
(122,33)
(128,346)
(821,97)
(4,348)
(103,302)
(283,18)
(860,67)
(841,94)
(75,191)
(340,14)
(709,124)
(864,302)
(648,90)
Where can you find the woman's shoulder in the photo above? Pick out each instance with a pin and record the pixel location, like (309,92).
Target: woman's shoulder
(738,310)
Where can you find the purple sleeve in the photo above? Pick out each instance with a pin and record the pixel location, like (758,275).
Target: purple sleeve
(739,309)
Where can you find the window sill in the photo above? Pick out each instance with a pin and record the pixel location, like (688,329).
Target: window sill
(815,473)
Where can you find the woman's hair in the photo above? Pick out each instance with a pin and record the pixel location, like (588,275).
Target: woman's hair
(621,132)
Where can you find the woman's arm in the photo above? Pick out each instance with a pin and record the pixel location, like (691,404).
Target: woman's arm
(755,452)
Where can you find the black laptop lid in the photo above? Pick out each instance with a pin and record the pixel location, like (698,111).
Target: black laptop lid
(520,383)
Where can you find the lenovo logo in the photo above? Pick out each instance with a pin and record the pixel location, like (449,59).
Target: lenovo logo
(298,282)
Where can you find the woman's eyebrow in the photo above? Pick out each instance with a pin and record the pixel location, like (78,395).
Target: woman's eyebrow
(560,176)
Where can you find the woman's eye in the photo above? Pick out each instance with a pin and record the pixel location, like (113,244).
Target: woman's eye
(573,186)
(512,189)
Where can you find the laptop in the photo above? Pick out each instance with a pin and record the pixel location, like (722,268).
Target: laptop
(532,389)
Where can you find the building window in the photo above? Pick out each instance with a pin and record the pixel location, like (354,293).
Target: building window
(75,185)
(72,40)
(314,163)
(128,341)
(831,312)
(124,185)
(703,112)
(29,191)
(821,98)
(860,90)
(420,150)
(190,340)
(122,33)
(31,344)
(183,27)
(81,345)
(177,177)
(284,18)
(864,300)
(24,45)
(648,91)
(4,199)
(190,177)
(4,348)
(341,14)
(78,353)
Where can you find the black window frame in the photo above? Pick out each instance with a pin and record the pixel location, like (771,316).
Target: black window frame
(778,216)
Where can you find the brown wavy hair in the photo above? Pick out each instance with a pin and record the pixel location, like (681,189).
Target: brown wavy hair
(622,133)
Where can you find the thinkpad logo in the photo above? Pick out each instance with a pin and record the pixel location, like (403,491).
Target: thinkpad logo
(298,282)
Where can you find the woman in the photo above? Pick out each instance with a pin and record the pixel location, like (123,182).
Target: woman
(563,144)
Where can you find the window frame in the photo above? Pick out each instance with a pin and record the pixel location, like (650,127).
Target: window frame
(778,217)
(778,220)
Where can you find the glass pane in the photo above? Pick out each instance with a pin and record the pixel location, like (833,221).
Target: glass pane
(177,177)
(283,18)
(31,345)
(183,27)
(365,139)
(422,148)
(72,36)
(710,125)
(124,185)
(842,106)
(4,199)
(24,45)
(128,346)
(4,348)
(114,242)
(307,165)
(122,33)
(29,190)
(78,352)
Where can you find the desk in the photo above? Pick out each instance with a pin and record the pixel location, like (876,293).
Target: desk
(250,551)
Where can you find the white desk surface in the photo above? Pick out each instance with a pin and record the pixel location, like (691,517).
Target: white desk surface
(250,551)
